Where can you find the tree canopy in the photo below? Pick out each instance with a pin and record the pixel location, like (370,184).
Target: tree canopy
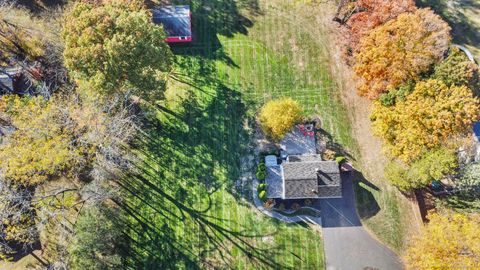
(116,47)
(458,70)
(43,143)
(427,117)
(374,13)
(400,50)
(277,117)
(98,240)
(449,241)
(434,165)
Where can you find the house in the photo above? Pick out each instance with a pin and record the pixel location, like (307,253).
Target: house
(299,172)
(176,21)
(303,177)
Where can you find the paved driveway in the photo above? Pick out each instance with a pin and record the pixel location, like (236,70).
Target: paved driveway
(347,245)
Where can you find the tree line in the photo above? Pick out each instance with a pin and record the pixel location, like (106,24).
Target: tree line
(425,101)
(101,65)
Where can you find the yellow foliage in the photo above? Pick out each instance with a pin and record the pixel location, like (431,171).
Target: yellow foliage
(449,241)
(429,116)
(277,117)
(43,143)
(400,50)
(20,35)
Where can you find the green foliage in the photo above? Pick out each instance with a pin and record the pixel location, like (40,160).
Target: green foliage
(340,160)
(98,240)
(261,187)
(261,171)
(262,167)
(261,175)
(396,174)
(469,181)
(457,70)
(21,36)
(390,98)
(434,165)
(277,117)
(262,195)
(116,47)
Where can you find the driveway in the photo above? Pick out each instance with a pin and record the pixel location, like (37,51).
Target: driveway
(347,245)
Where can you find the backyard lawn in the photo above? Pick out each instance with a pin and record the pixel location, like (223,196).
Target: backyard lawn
(196,205)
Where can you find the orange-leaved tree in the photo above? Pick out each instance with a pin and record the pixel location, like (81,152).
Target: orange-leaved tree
(449,241)
(374,13)
(427,117)
(400,50)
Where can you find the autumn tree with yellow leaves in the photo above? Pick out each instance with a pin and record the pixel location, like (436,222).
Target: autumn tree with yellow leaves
(400,50)
(277,117)
(449,241)
(427,117)
(43,143)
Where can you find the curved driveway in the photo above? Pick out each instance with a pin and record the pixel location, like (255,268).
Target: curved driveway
(347,245)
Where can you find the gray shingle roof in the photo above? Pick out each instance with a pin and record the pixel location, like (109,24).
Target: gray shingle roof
(274,182)
(304,188)
(311,179)
(304,158)
(308,170)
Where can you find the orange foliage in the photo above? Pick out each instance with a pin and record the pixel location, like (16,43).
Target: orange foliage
(399,50)
(374,13)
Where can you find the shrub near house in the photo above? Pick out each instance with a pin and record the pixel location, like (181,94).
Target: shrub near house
(277,117)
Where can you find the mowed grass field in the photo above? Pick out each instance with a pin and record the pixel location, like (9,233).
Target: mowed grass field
(190,198)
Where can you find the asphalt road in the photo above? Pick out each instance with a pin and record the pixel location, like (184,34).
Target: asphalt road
(347,245)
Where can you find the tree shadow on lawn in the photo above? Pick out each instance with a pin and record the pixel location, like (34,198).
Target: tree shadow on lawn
(211,18)
(332,144)
(366,203)
(185,160)
(202,233)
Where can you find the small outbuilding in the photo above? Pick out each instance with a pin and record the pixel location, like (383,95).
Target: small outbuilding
(176,21)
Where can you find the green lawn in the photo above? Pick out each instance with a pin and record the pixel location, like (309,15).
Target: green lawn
(186,205)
